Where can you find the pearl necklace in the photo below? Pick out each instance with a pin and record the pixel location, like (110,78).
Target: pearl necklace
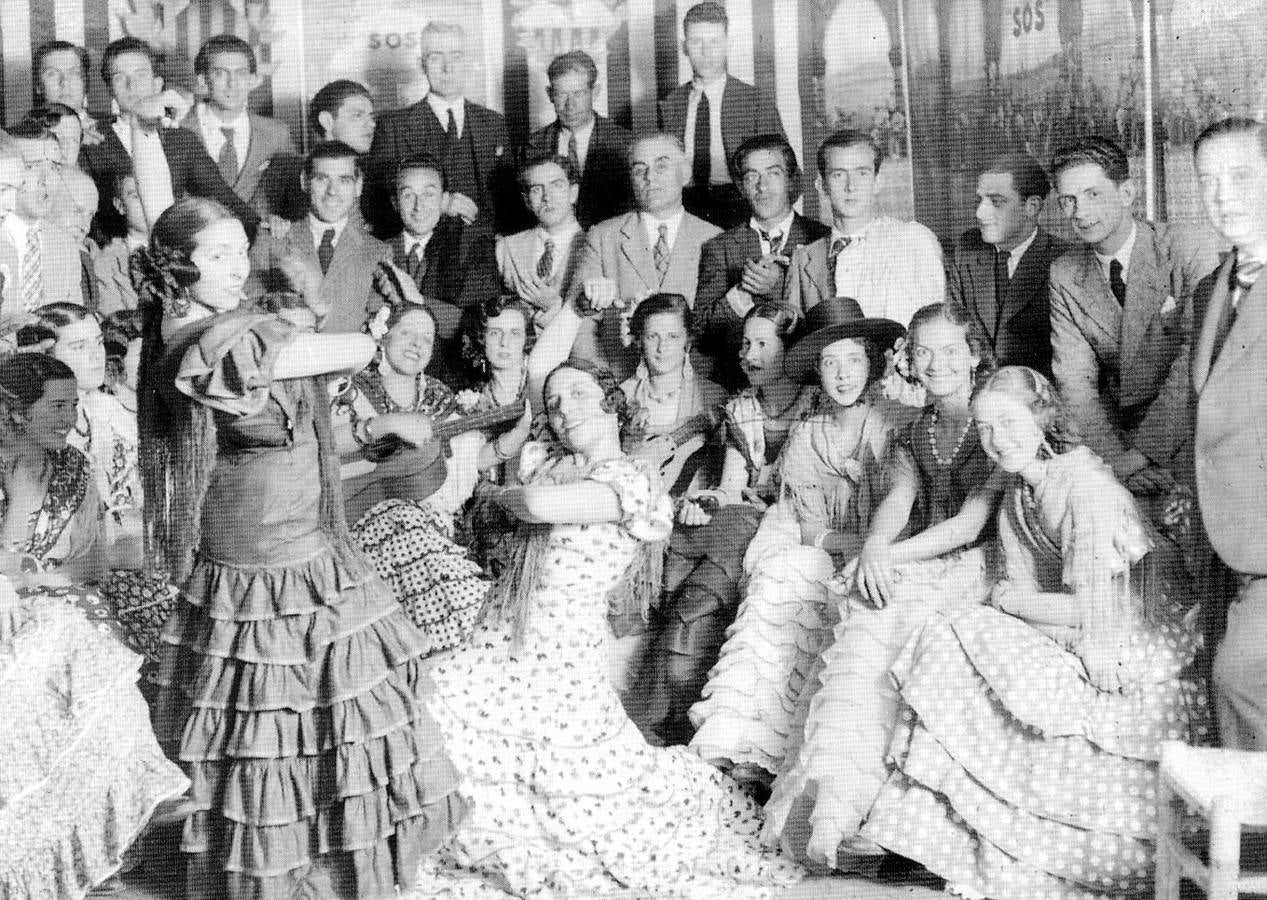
(932,439)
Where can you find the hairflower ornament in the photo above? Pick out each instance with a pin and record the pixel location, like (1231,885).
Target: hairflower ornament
(154,273)
(376,327)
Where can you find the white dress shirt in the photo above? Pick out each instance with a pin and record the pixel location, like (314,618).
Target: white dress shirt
(210,123)
(780,230)
(563,241)
(319,228)
(719,170)
(583,135)
(441,107)
(1123,255)
(651,226)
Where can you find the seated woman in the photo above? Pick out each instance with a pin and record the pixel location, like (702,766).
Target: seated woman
(715,523)
(940,499)
(1027,754)
(568,799)
(746,717)
(104,430)
(80,770)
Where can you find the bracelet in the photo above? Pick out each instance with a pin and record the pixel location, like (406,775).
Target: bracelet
(497,450)
(821,538)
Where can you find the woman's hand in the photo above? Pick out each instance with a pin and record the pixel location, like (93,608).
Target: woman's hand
(875,573)
(1104,663)
(412,428)
(698,508)
(400,289)
(304,277)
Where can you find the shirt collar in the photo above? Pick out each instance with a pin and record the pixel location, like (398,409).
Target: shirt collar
(782,228)
(411,241)
(582,133)
(853,236)
(440,106)
(17,229)
(562,238)
(1019,250)
(651,225)
(211,119)
(713,89)
(1123,254)
(319,228)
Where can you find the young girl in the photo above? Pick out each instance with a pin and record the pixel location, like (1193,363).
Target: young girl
(715,525)
(1027,754)
(940,498)
(104,431)
(569,800)
(746,717)
(288,662)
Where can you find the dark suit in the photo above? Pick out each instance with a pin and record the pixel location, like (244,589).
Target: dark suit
(459,269)
(721,262)
(269,138)
(1019,329)
(745,112)
(605,190)
(1231,459)
(193,173)
(347,286)
(403,133)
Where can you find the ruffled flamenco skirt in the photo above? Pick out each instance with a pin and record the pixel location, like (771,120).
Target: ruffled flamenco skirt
(1016,777)
(783,624)
(80,770)
(440,588)
(836,757)
(294,697)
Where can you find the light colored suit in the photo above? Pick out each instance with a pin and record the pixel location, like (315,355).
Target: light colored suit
(60,266)
(269,138)
(1231,474)
(1123,370)
(347,285)
(517,257)
(114,281)
(618,249)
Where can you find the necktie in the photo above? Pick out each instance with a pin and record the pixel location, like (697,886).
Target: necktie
(32,277)
(325,252)
(1116,284)
(661,253)
(702,157)
(228,159)
(772,239)
(415,265)
(838,246)
(545,265)
(574,157)
(1001,281)
(454,137)
(1244,273)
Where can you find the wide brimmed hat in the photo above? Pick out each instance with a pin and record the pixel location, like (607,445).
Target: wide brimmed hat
(835,319)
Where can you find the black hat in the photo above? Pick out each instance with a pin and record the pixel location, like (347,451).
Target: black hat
(835,319)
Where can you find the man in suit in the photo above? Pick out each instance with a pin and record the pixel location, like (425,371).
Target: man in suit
(713,114)
(451,262)
(999,272)
(468,140)
(629,257)
(890,267)
(242,143)
(1228,361)
(146,115)
(597,147)
(539,264)
(748,264)
(1121,322)
(41,256)
(325,242)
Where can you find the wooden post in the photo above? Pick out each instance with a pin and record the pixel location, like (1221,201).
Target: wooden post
(1225,850)
(1167,872)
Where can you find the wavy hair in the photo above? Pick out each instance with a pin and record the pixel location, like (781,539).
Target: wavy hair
(1041,398)
(474,322)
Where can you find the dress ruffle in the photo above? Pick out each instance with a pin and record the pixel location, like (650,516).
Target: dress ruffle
(440,588)
(293,696)
(783,624)
(82,772)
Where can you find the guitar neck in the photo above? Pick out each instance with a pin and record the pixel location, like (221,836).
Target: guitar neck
(696,424)
(479,421)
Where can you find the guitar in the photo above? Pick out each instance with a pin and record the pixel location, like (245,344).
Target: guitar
(442,432)
(672,451)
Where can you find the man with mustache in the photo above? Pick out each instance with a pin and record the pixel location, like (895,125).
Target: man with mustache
(1121,321)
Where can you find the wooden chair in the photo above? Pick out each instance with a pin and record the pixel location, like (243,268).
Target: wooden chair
(1226,788)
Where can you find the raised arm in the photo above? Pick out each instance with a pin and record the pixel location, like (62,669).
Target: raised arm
(582,503)
(324,354)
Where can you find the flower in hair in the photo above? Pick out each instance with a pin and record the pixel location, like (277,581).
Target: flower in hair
(377,326)
(154,272)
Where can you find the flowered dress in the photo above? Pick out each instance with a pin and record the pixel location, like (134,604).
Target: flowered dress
(293,684)
(409,536)
(1017,776)
(835,762)
(568,800)
(827,479)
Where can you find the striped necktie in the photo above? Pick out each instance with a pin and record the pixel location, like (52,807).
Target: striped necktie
(228,159)
(32,275)
(833,256)
(661,253)
(545,265)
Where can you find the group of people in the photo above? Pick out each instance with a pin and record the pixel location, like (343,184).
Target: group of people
(578,519)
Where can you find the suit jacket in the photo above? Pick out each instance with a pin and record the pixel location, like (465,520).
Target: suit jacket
(460,270)
(415,129)
(605,188)
(517,258)
(1231,421)
(745,112)
(114,281)
(59,263)
(193,173)
(269,138)
(348,284)
(1123,370)
(1019,332)
(718,327)
(618,249)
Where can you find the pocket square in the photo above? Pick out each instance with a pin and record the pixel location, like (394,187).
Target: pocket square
(1168,308)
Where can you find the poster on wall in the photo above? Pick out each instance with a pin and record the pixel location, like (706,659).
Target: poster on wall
(991,76)
(1210,65)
